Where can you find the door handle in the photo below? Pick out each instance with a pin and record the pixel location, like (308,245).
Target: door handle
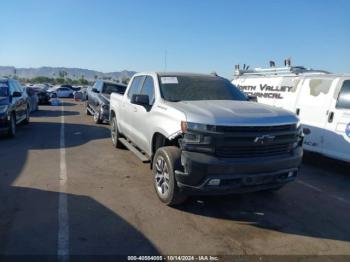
(330,117)
(135,109)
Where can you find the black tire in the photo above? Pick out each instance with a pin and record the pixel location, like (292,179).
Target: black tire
(12,126)
(97,118)
(115,135)
(26,121)
(171,157)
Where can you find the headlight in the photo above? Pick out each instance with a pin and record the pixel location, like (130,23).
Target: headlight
(298,124)
(196,137)
(188,126)
(3,109)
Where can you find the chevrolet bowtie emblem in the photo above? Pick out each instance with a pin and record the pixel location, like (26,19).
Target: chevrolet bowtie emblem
(264,139)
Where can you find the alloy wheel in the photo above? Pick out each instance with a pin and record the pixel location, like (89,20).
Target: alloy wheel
(162,177)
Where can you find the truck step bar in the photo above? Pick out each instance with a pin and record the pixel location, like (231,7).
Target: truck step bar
(133,149)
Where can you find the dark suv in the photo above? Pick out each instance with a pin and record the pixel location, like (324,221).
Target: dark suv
(98,96)
(14,106)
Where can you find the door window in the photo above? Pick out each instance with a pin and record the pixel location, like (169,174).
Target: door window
(148,89)
(13,87)
(135,86)
(344,96)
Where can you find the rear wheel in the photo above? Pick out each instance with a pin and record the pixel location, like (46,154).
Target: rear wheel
(166,161)
(115,135)
(12,126)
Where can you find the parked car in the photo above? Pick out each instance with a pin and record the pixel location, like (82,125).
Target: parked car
(62,91)
(203,136)
(98,96)
(43,95)
(320,99)
(14,106)
(33,98)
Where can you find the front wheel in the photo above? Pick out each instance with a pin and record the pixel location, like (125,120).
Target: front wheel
(165,162)
(12,126)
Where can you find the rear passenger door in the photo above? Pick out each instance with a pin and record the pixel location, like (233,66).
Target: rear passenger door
(126,118)
(313,102)
(337,137)
(141,115)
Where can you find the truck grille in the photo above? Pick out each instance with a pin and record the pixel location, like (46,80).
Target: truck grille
(240,142)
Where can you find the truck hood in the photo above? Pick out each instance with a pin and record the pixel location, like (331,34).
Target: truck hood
(229,113)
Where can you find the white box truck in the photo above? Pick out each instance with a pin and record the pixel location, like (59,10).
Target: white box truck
(320,99)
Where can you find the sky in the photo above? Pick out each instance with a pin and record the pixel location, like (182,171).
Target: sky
(193,35)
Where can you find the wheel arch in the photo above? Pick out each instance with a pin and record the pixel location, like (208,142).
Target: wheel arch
(161,140)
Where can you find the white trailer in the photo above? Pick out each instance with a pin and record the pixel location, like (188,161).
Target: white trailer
(320,99)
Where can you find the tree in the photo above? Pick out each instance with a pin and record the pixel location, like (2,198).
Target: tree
(125,80)
(62,73)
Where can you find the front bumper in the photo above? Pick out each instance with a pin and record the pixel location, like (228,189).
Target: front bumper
(236,175)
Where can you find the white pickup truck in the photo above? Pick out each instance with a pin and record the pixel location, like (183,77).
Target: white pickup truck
(203,136)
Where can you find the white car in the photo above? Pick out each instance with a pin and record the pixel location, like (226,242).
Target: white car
(61,92)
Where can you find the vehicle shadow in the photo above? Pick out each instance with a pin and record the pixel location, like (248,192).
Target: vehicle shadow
(29,216)
(51,113)
(293,210)
(326,163)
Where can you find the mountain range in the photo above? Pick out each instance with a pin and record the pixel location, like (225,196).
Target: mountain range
(54,72)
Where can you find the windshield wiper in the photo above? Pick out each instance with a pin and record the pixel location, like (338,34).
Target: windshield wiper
(174,100)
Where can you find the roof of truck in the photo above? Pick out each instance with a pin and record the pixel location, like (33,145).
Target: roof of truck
(183,74)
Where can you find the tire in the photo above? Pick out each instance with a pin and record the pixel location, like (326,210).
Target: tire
(97,118)
(26,121)
(12,126)
(165,162)
(115,135)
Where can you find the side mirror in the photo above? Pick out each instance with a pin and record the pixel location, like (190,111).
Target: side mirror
(142,100)
(252,98)
(16,94)
(95,90)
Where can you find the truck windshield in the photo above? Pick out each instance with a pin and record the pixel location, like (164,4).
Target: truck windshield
(190,88)
(110,88)
(3,89)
